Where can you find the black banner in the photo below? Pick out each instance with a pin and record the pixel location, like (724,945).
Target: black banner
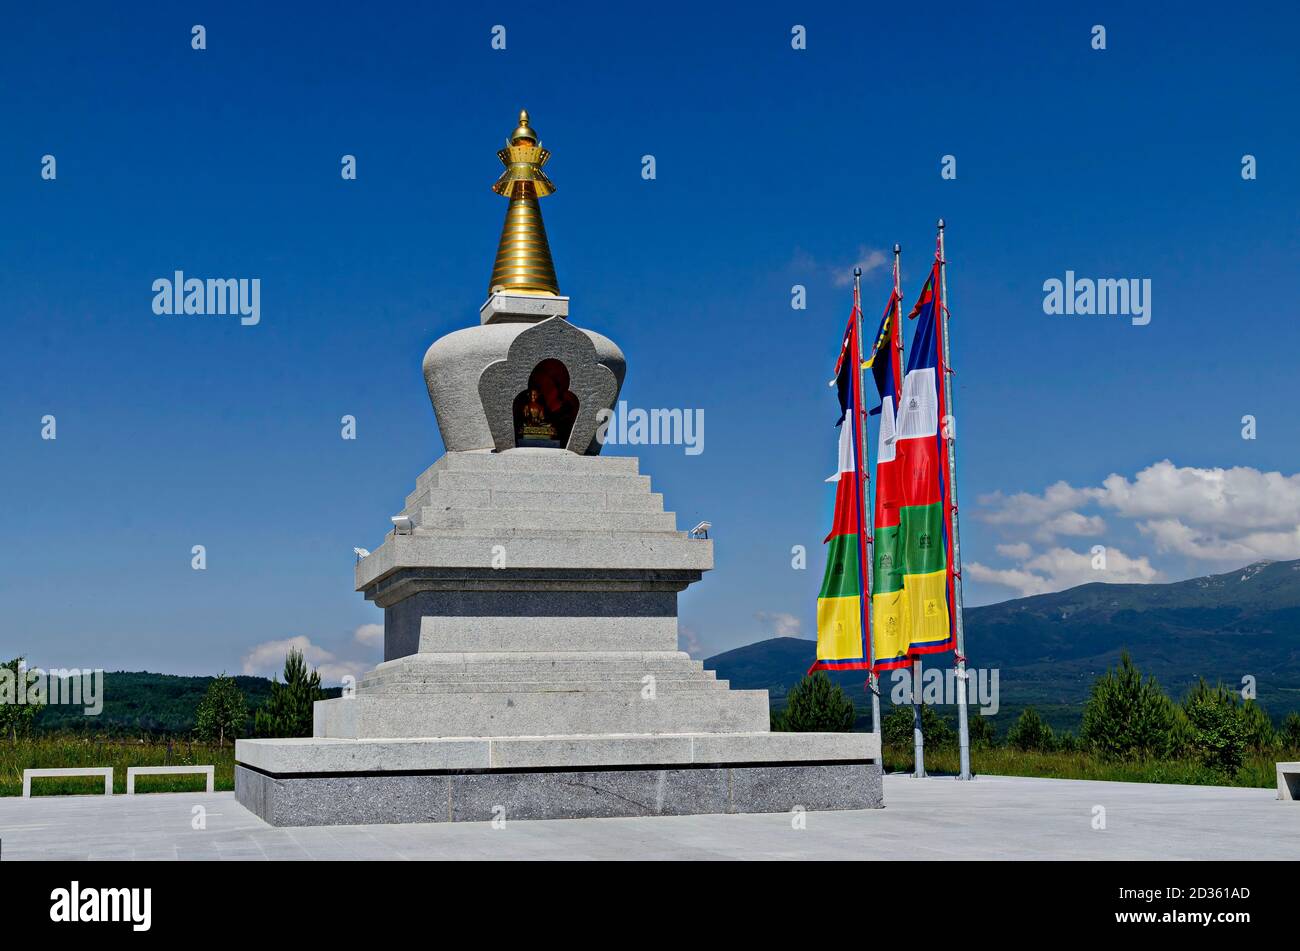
(139,900)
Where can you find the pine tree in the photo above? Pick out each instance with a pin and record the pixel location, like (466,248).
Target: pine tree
(816,705)
(222,712)
(288,711)
(1255,721)
(1127,716)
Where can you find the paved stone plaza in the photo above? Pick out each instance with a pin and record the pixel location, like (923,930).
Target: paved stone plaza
(992,817)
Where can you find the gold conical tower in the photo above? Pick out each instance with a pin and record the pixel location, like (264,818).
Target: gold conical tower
(523,264)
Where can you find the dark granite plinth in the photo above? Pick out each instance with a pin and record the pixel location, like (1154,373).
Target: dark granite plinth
(378,798)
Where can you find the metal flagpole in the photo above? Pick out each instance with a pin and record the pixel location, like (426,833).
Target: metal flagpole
(918,737)
(963,722)
(864,500)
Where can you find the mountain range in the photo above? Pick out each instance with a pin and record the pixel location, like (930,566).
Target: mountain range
(1049,648)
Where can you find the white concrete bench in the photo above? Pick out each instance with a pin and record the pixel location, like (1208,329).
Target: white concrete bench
(1288,781)
(105,771)
(133,771)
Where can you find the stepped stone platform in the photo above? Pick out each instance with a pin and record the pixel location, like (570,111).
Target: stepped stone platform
(531,670)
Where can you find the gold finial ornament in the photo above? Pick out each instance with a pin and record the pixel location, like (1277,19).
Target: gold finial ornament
(523,264)
(524,130)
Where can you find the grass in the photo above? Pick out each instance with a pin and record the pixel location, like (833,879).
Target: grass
(64,750)
(1259,769)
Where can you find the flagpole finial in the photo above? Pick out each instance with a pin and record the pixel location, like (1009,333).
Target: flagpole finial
(898,248)
(940,224)
(857,272)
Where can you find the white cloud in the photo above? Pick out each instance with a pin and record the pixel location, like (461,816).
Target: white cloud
(1024,583)
(267,658)
(1172,535)
(1019,551)
(869,259)
(1061,568)
(1074,524)
(1230,501)
(688,641)
(1219,516)
(1044,516)
(839,274)
(372,635)
(1026,508)
(781,623)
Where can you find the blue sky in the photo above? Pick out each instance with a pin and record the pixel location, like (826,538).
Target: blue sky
(774,166)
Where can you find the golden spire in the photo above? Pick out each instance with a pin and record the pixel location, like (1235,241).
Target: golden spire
(523,264)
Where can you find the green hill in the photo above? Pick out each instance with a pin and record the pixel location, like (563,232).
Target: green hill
(140,702)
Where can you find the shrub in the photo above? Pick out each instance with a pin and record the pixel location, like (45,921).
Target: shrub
(1031,733)
(1218,731)
(1289,735)
(1128,717)
(15,718)
(983,734)
(222,712)
(936,729)
(897,728)
(817,705)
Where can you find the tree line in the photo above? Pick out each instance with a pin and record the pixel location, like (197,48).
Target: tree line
(223,712)
(1127,717)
